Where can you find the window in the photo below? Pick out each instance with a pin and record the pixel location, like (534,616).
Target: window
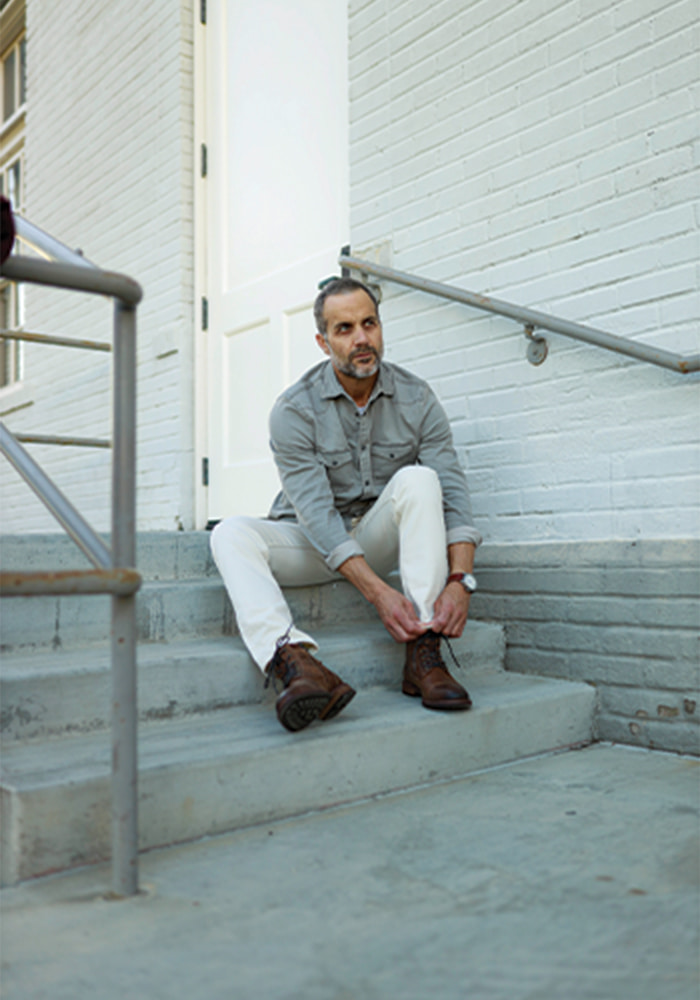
(14,79)
(13,97)
(9,349)
(11,294)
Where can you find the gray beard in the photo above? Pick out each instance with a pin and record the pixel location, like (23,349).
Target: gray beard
(353,372)
(348,368)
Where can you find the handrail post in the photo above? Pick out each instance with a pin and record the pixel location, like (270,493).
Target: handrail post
(124,694)
(116,573)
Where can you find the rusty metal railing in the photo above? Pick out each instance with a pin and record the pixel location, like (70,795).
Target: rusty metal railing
(531,319)
(114,571)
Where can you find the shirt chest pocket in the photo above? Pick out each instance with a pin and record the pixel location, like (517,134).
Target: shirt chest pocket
(387,459)
(341,472)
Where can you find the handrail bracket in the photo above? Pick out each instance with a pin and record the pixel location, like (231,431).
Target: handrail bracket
(537,346)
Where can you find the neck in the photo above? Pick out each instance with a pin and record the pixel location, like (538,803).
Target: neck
(358,389)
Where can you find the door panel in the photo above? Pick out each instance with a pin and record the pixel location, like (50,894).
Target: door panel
(277,215)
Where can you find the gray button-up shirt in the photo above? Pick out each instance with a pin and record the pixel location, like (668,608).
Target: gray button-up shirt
(334,459)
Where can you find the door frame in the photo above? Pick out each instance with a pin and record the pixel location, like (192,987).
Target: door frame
(200,269)
(202,193)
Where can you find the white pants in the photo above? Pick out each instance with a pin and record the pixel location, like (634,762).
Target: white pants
(257,557)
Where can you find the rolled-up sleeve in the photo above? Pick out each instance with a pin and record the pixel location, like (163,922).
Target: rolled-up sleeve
(305,484)
(437,451)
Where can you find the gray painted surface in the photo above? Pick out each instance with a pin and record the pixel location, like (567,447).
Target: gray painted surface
(50,693)
(624,616)
(235,767)
(573,876)
(198,689)
(212,755)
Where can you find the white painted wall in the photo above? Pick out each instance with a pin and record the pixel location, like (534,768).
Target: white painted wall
(543,152)
(109,168)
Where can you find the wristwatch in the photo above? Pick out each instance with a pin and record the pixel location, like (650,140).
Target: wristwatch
(468,581)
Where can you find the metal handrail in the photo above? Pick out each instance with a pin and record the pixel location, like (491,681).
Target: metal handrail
(47,245)
(530,318)
(66,442)
(69,582)
(65,513)
(114,573)
(48,338)
(78,277)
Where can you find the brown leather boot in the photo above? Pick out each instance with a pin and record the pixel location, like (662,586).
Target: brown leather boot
(425,675)
(311,691)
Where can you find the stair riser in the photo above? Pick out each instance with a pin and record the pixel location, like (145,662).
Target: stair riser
(182,803)
(165,612)
(160,555)
(177,682)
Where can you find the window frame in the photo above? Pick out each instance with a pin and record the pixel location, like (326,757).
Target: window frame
(12,134)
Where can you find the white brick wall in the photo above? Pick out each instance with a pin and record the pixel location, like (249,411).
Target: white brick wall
(544,153)
(109,169)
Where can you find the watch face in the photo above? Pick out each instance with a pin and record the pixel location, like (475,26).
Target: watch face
(469,582)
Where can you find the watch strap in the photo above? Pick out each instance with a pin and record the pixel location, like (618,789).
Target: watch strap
(461,578)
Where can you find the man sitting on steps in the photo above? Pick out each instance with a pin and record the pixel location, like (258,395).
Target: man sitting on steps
(371,482)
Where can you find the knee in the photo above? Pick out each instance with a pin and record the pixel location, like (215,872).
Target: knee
(419,479)
(234,534)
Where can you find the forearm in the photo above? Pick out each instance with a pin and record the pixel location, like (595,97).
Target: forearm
(360,574)
(395,610)
(460,557)
(452,606)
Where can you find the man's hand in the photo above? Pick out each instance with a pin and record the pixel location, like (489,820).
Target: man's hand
(395,610)
(398,616)
(450,610)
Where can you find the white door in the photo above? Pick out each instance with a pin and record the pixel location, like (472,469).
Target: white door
(277,216)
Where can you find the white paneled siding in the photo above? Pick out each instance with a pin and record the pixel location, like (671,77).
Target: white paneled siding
(109,169)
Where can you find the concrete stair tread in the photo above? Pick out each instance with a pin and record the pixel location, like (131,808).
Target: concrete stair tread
(43,662)
(46,694)
(252,729)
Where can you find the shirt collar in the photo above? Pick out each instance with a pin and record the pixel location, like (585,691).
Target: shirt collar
(331,387)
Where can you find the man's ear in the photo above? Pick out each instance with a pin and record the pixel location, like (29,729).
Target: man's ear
(323,344)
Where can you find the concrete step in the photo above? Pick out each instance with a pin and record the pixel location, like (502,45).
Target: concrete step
(172,608)
(166,607)
(160,555)
(238,767)
(166,610)
(49,693)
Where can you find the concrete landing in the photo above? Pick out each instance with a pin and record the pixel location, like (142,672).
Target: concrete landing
(567,877)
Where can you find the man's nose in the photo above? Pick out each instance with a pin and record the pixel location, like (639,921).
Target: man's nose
(361,336)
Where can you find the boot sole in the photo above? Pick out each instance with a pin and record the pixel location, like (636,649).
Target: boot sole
(340,698)
(304,710)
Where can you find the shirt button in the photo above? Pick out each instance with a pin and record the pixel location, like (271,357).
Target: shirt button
(366,482)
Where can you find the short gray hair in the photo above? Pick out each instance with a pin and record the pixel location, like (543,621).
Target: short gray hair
(338,286)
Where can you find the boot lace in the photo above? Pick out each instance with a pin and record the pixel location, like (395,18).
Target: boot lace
(431,650)
(280,657)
